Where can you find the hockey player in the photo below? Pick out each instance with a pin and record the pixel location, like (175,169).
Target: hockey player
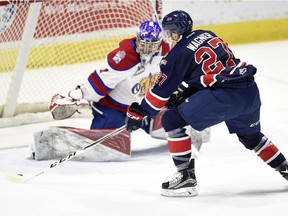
(223,89)
(129,71)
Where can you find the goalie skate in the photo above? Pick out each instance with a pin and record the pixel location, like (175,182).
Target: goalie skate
(183,185)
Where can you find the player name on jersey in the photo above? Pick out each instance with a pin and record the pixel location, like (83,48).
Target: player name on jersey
(197,41)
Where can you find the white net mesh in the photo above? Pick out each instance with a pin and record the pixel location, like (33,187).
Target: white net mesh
(70,39)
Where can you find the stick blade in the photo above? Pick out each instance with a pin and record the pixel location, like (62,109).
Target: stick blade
(19,178)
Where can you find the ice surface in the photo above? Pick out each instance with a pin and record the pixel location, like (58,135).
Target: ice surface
(231,179)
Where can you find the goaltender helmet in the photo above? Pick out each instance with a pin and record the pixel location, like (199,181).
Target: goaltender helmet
(178,21)
(148,39)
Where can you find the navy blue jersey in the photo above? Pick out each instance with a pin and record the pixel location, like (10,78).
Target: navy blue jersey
(202,60)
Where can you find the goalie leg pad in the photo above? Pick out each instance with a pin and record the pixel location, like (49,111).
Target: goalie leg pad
(58,142)
(205,135)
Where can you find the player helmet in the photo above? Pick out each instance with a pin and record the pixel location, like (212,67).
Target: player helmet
(148,40)
(178,21)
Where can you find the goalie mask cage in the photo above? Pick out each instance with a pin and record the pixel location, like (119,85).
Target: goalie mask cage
(50,46)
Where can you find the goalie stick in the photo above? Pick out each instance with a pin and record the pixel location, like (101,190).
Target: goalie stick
(21,178)
(156,16)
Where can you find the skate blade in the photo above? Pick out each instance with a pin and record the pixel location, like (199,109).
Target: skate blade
(182,192)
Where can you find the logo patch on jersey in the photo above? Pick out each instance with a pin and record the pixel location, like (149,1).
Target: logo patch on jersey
(119,56)
(139,70)
(144,85)
(242,71)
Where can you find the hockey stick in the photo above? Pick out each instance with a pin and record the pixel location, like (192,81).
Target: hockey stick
(20,178)
(153,7)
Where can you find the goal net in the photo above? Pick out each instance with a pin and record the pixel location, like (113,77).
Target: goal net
(49,46)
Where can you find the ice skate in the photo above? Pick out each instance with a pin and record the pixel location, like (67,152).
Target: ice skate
(283,170)
(183,185)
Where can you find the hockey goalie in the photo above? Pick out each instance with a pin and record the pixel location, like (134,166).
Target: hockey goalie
(128,72)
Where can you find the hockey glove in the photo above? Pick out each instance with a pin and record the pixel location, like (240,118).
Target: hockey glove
(62,107)
(135,117)
(180,95)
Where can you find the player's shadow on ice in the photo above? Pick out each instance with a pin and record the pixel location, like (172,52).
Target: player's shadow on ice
(262,192)
(248,193)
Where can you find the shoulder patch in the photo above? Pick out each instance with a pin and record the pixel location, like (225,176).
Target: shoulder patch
(119,56)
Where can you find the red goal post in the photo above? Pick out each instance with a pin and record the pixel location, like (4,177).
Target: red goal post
(47,46)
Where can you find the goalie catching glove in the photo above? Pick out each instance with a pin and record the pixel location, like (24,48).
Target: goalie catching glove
(63,107)
(135,117)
